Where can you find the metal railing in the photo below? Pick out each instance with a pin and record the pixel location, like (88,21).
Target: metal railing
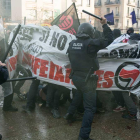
(98,4)
(112,2)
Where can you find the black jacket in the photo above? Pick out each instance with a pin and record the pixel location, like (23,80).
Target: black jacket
(83,51)
(3,74)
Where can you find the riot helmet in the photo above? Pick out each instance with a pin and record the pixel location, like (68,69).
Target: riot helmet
(85,30)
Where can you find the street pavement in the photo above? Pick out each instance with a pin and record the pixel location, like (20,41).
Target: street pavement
(40,124)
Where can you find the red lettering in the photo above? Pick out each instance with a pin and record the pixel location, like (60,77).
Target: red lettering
(58,75)
(107,77)
(52,68)
(99,73)
(36,65)
(43,68)
(13,62)
(67,79)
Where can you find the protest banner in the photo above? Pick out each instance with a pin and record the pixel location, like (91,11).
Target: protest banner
(43,51)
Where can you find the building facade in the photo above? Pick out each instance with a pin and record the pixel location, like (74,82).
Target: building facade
(35,11)
(122,10)
(5,10)
(41,11)
(87,5)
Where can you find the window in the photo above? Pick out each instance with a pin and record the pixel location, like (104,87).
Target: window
(108,10)
(138,3)
(31,14)
(47,15)
(127,22)
(48,1)
(128,11)
(137,13)
(7,4)
(88,2)
(117,11)
(116,22)
(79,2)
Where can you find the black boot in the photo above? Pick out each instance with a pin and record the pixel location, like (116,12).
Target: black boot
(11,108)
(70,118)
(84,139)
(0,137)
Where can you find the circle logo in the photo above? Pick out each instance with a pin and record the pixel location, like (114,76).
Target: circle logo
(65,22)
(127,76)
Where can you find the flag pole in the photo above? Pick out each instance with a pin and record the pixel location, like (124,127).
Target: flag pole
(11,43)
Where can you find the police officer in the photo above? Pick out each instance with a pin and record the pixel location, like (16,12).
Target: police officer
(82,54)
(3,77)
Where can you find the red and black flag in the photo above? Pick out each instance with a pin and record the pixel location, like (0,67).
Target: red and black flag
(68,20)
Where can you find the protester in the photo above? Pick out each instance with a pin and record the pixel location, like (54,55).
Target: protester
(116,33)
(81,51)
(31,96)
(130,31)
(43,91)
(17,85)
(120,101)
(123,98)
(54,93)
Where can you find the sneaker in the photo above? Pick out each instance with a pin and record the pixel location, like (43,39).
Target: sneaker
(55,113)
(27,108)
(0,137)
(130,117)
(11,108)
(119,109)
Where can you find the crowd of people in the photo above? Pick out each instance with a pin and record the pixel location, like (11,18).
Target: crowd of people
(84,99)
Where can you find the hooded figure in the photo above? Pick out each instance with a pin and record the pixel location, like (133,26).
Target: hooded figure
(130,31)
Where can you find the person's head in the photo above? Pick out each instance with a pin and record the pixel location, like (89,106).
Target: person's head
(85,30)
(130,31)
(116,33)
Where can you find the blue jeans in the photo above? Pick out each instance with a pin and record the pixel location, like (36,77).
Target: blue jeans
(89,101)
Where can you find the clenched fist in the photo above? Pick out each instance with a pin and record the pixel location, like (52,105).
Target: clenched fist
(103,21)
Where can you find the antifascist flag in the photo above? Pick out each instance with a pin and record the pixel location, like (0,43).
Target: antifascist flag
(110,17)
(68,20)
(133,17)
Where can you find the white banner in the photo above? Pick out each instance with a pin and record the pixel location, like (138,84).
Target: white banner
(43,51)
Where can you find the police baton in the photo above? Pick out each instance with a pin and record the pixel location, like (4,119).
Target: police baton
(108,22)
(11,43)
(21,79)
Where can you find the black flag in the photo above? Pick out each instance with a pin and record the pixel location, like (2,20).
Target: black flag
(68,20)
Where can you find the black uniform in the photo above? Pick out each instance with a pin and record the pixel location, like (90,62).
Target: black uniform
(83,56)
